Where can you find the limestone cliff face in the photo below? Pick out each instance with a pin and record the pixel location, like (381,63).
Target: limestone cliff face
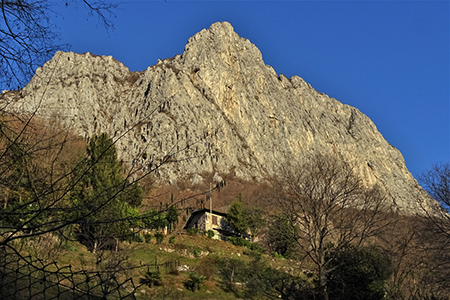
(215,108)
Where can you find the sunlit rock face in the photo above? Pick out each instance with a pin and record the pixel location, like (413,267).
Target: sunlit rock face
(215,108)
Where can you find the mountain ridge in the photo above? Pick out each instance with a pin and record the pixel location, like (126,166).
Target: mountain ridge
(217,107)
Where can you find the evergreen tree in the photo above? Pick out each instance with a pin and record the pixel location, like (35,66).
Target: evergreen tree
(172,217)
(103,198)
(281,237)
(245,220)
(255,221)
(236,217)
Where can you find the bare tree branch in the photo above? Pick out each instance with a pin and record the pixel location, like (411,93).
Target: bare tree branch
(28,39)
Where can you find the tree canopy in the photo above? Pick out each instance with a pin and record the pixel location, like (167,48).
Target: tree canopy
(236,217)
(104,198)
(359,274)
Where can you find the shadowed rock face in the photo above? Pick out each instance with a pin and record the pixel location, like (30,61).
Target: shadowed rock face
(215,108)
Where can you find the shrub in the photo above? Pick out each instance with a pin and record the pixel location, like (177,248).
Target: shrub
(276,255)
(257,248)
(159,237)
(265,282)
(241,242)
(192,231)
(172,240)
(151,279)
(147,237)
(210,234)
(195,282)
(197,252)
(238,241)
(135,237)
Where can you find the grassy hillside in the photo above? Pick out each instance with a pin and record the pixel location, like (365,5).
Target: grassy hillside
(174,260)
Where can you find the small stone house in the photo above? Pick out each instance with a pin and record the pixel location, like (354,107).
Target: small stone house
(205,220)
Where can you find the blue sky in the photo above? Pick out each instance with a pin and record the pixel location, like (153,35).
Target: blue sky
(389,59)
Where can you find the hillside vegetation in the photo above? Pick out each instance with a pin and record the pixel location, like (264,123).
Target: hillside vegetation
(77,223)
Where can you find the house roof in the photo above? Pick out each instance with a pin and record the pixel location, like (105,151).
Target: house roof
(201,212)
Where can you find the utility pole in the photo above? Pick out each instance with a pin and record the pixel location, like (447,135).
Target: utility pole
(210,198)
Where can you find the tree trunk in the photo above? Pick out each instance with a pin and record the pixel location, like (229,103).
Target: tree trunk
(322,283)
(323,288)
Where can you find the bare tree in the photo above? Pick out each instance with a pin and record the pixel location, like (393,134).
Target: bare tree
(328,208)
(27,37)
(437,183)
(436,224)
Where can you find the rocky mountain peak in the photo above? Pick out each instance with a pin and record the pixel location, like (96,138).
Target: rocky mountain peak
(219,41)
(215,108)
(219,48)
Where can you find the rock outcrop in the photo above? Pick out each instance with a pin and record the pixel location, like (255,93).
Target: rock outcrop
(215,108)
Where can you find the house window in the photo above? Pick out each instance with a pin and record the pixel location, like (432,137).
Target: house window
(214,220)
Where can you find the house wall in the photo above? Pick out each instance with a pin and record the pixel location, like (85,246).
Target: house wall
(212,222)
